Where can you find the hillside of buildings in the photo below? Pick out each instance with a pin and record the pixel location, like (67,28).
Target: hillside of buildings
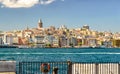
(60,37)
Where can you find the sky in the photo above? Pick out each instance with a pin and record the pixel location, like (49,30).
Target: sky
(100,15)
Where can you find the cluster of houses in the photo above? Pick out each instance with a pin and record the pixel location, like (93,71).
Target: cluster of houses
(60,37)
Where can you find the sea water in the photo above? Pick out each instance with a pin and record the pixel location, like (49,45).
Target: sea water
(61,54)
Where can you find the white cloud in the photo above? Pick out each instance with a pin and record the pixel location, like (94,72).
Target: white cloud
(23,3)
(46,2)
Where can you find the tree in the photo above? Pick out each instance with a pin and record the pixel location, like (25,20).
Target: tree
(48,45)
(80,43)
(71,44)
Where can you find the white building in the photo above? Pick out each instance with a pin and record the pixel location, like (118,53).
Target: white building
(55,42)
(48,39)
(8,39)
(39,41)
(92,42)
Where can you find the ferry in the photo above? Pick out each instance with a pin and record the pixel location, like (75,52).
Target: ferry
(23,46)
(92,47)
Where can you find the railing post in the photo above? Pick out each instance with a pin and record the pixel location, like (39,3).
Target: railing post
(55,70)
(118,68)
(20,68)
(97,68)
(69,67)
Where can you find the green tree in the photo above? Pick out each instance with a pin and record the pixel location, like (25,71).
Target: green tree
(80,43)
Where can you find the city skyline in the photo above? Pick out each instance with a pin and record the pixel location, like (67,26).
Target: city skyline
(100,15)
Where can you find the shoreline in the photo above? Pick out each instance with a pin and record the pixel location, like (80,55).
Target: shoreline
(25,46)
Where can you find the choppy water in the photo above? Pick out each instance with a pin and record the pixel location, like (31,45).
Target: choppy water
(61,54)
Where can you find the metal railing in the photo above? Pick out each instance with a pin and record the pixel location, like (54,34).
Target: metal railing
(42,68)
(68,68)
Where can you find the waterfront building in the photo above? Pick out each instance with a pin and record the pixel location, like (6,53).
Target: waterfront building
(48,39)
(25,37)
(85,42)
(73,41)
(55,42)
(23,41)
(8,39)
(107,44)
(116,42)
(92,42)
(63,41)
(39,41)
(1,39)
(100,41)
(79,40)
(68,41)
(20,41)
(16,40)
(4,39)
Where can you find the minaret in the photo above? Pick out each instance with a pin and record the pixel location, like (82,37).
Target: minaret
(40,24)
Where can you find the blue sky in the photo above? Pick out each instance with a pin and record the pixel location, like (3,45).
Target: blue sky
(101,15)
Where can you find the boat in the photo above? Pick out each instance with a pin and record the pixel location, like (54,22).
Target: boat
(23,47)
(97,47)
(8,46)
(92,47)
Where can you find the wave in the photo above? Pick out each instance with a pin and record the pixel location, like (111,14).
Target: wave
(63,53)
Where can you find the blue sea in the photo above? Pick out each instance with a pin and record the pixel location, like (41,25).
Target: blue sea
(61,54)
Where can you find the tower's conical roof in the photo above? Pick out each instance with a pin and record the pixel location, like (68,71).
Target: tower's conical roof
(40,21)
